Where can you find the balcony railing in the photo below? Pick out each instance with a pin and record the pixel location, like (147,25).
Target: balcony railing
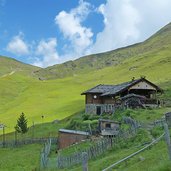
(151,101)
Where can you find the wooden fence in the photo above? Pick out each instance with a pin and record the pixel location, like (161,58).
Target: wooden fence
(17,143)
(96,150)
(149,125)
(44,154)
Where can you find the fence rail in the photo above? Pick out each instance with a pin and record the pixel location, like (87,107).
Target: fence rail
(44,153)
(26,142)
(137,152)
(136,124)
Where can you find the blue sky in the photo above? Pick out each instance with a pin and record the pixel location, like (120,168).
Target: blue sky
(44,33)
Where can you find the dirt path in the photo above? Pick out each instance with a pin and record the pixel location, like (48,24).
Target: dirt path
(5,75)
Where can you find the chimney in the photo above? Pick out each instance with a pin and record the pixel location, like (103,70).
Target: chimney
(143,76)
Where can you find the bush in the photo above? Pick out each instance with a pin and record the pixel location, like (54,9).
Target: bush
(74,124)
(94,117)
(85,117)
(157,131)
(93,124)
(142,137)
(130,113)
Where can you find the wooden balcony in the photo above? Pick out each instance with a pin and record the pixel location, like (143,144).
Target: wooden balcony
(151,101)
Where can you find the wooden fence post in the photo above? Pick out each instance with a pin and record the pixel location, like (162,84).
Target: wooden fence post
(167,135)
(15,138)
(85,161)
(3,136)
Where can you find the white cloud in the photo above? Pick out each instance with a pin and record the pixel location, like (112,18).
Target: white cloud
(155,14)
(46,49)
(18,46)
(125,22)
(70,24)
(120,25)
(130,21)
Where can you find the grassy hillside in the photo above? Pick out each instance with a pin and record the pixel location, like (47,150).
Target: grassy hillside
(59,98)
(154,159)
(22,158)
(9,66)
(159,41)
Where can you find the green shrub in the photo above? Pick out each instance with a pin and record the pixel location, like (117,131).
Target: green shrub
(74,124)
(94,117)
(148,117)
(93,124)
(157,131)
(141,137)
(85,117)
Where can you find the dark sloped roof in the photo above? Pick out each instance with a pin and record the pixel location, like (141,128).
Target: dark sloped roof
(73,132)
(101,88)
(106,90)
(117,88)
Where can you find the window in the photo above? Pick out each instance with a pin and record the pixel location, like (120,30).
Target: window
(95,97)
(108,125)
(105,108)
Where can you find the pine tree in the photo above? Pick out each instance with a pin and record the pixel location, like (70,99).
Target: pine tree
(21,126)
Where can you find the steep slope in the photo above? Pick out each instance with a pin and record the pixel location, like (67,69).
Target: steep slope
(9,66)
(159,41)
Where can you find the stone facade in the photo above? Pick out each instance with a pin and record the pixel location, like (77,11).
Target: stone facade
(99,108)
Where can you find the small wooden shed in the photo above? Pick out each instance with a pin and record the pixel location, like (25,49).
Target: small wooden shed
(69,137)
(108,127)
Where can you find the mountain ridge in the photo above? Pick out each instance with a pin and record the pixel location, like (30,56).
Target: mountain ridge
(8,65)
(161,39)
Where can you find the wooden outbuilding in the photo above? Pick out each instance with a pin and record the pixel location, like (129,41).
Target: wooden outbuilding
(70,137)
(108,127)
(106,98)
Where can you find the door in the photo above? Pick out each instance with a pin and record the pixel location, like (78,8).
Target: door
(98,110)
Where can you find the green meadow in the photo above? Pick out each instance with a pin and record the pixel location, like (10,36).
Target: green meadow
(25,158)
(154,159)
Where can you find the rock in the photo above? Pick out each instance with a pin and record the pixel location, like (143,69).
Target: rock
(55,121)
(141,158)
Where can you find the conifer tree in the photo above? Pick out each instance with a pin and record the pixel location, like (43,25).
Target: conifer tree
(21,126)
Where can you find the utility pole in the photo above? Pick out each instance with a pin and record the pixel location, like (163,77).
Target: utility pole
(167,136)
